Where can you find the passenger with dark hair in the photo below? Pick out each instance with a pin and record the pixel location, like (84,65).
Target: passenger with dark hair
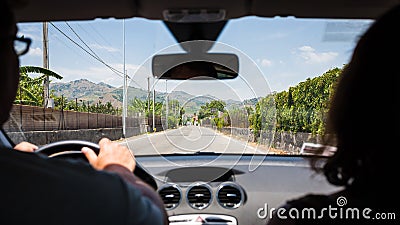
(363,123)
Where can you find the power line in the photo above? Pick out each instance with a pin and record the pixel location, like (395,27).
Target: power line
(95,57)
(71,49)
(87,46)
(99,34)
(93,54)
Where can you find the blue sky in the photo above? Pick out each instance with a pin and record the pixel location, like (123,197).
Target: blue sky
(274,53)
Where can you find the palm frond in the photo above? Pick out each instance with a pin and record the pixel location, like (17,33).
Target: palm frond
(29,94)
(35,69)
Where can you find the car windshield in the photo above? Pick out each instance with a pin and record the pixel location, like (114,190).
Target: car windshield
(287,70)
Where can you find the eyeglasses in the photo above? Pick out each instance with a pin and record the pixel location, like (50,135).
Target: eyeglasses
(21,45)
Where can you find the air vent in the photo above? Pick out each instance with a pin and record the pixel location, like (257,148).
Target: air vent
(199,196)
(171,196)
(230,195)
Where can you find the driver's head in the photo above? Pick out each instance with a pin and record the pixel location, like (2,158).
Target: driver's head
(9,62)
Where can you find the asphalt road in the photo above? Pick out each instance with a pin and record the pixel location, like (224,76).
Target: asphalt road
(188,140)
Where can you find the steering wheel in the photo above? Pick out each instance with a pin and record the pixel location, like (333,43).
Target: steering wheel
(72,149)
(69,148)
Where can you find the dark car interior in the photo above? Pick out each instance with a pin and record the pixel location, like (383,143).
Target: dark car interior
(210,188)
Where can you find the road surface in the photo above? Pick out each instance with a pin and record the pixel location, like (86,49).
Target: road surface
(189,140)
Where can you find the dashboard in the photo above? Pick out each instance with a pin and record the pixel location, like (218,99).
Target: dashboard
(229,189)
(226,189)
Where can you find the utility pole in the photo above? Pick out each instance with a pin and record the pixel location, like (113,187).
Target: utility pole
(124,87)
(88,115)
(154,116)
(166,102)
(148,95)
(46,91)
(124,106)
(76,113)
(125,102)
(148,103)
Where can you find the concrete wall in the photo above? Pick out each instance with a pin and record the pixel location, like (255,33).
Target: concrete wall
(33,118)
(244,134)
(93,135)
(44,137)
(290,142)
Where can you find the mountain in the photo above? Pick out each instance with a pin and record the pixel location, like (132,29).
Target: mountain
(86,90)
(80,88)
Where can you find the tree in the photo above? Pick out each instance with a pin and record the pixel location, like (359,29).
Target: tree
(138,106)
(211,109)
(302,108)
(30,90)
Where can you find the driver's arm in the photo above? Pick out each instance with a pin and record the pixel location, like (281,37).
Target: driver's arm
(145,189)
(120,160)
(25,147)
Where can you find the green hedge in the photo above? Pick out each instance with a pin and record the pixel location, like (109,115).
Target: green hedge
(302,108)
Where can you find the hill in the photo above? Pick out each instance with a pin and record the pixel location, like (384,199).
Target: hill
(86,90)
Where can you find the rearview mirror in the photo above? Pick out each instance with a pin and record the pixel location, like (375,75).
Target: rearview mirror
(199,66)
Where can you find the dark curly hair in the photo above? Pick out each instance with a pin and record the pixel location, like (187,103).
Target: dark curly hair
(363,120)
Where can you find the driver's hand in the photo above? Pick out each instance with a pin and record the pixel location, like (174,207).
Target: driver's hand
(26,147)
(110,153)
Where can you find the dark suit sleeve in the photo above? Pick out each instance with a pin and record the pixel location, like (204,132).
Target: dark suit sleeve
(146,205)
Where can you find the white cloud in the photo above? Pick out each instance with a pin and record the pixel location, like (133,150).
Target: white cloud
(131,68)
(35,52)
(109,80)
(266,62)
(105,48)
(306,49)
(310,55)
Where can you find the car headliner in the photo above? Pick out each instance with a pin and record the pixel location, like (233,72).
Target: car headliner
(50,10)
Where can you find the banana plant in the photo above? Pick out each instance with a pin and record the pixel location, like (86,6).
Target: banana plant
(30,90)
